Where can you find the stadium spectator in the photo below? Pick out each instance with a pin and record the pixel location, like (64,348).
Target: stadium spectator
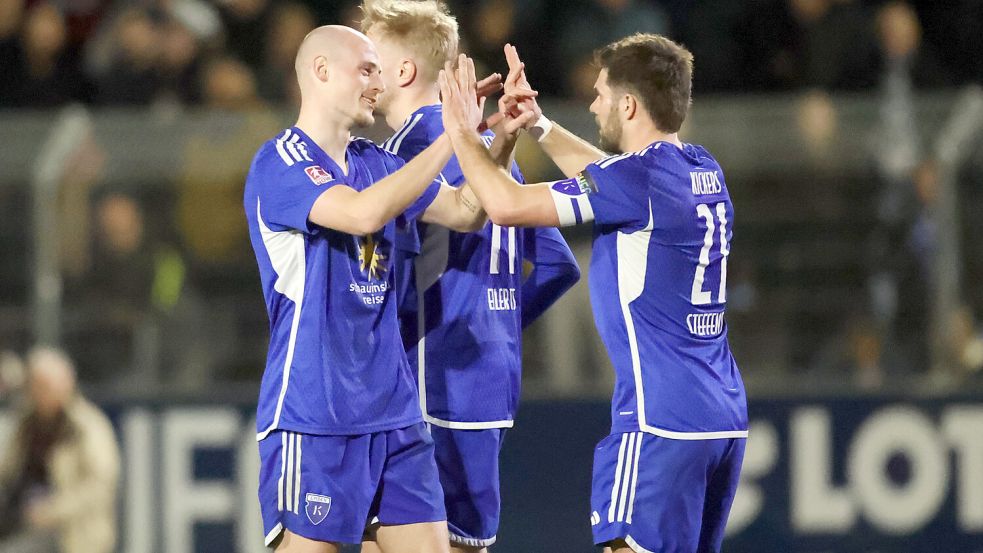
(180,63)
(902,244)
(42,74)
(229,84)
(112,297)
(598,22)
(59,474)
(11,15)
(836,46)
(133,76)
(126,293)
(290,24)
(903,53)
(245,23)
(209,207)
(712,29)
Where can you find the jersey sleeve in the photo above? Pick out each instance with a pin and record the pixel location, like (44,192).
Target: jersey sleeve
(606,192)
(416,209)
(288,192)
(554,271)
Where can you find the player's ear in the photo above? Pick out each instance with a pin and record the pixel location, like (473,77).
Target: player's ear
(629,105)
(407,73)
(321,68)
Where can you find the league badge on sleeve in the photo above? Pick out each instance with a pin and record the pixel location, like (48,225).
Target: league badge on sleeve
(585,183)
(318,175)
(317,507)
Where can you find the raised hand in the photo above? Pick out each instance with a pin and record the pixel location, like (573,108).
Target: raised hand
(518,104)
(461,107)
(516,83)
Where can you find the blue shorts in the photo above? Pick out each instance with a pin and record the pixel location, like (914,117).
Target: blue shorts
(467,461)
(327,488)
(662,495)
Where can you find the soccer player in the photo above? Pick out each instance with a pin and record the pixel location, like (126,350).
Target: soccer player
(665,478)
(340,433)
(465,301)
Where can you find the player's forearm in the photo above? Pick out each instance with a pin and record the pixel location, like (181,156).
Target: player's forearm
(568,151)
(473,215)
(390,196)
(495,189)
(502,148)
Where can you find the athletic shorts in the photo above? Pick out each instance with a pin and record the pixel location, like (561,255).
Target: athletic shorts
(662,495)
(467,462)
(327,488)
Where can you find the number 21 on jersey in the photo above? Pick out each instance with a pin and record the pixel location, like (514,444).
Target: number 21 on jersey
(700,296)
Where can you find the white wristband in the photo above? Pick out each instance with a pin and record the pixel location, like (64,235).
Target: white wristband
(541,128)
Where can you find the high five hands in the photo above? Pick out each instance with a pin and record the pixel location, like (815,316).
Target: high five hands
(463,97)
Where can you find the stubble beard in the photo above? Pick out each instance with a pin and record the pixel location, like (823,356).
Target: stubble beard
(609,133)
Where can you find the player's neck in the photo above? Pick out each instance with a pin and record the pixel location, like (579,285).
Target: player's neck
(408,102)
(331,136)
(634,142)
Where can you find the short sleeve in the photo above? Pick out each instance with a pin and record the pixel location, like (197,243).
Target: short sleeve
(603,192)
(416,209)
(288,192)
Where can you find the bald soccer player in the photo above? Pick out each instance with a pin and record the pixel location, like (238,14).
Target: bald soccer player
(345,455)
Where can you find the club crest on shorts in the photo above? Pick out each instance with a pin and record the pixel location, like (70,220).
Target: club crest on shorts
(317,507)
(318,175)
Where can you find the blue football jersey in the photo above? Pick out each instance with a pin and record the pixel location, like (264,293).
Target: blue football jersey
(663,223)
(335,364)
(465,342)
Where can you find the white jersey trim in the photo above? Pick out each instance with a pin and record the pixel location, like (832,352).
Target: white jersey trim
(673,435)
(632,255)
(290,142)
(273,534)
(395,141)
(288,258)
(634,545)
(472,542)
(453,425)
(611,160)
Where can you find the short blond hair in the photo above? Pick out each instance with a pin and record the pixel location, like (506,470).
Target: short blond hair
(425,27)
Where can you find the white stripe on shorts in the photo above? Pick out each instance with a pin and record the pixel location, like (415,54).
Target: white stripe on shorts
(290,472)
(634,477)
(297,476)
(626,478)
(283,467)
(617,477)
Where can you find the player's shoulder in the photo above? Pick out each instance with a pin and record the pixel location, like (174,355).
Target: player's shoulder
(666,152)
(618,167)
(287,149)
(419,130)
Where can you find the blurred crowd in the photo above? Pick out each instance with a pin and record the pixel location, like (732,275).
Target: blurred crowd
(239,53)
(155,272)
